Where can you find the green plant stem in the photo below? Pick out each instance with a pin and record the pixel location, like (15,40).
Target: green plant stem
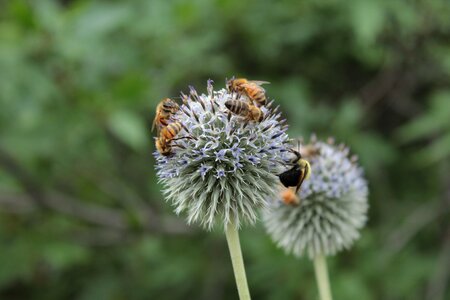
(238,262)
(323,282)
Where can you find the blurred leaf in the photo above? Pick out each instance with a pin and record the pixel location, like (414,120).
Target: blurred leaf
(350,286)
(368,20)
(348,116)
(374,152)
(438,151)
(434,127)
(63,255)
(435,121)
(128,127)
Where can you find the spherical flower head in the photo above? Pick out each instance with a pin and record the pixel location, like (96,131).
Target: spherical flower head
(222,167)
(333,205)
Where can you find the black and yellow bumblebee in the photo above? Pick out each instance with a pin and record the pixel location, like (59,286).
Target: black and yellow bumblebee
(300,171)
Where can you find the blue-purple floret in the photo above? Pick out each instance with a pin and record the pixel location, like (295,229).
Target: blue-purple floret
(204,169)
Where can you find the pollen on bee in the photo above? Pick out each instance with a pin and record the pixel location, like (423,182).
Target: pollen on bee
(289,197)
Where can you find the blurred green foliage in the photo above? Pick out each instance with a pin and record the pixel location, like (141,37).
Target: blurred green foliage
(82,216)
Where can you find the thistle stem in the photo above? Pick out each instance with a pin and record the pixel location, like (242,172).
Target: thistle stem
(323,282)
(238,262)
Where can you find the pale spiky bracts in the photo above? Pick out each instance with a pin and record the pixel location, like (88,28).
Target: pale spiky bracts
(225,167)
(333,205)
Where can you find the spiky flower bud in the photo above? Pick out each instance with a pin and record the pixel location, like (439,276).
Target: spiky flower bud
(223,167)
(333,205)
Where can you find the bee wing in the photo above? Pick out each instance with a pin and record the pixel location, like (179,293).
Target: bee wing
(259,82)
(299,184)
(304,175)
(252,84)
(154,124)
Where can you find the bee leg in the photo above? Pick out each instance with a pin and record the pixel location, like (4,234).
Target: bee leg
(185,128)
(190,137)
(283,163)
(178,146)
(184,137)
(297,154)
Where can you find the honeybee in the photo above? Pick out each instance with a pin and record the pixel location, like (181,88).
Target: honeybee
(164,111)
(251,88)
(170,131)
(295,176)
(166,136)
(163,146)
(243,109)
(255,93)
(289,197)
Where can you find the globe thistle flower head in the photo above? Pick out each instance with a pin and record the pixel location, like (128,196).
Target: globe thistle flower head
(222,167)
(333,204)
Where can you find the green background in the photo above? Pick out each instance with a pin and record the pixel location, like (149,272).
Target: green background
(81,213)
